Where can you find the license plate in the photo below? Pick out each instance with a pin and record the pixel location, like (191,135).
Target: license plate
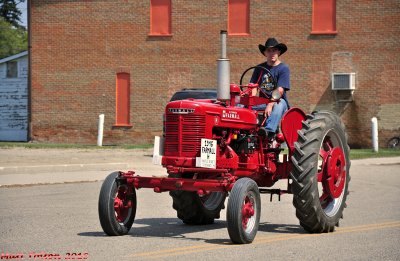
(208,155)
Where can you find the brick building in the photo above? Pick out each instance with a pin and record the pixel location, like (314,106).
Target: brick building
(125,58)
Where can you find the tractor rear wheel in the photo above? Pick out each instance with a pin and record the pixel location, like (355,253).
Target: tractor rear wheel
(243,212)
(193,209)
(320,172)
(117,206)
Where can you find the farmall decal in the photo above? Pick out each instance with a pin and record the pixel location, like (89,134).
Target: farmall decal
(230,115)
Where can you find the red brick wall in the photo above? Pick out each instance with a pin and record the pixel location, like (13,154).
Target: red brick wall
(79,46)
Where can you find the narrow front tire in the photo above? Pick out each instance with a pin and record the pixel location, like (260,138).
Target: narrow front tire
(243,211)
(117,206)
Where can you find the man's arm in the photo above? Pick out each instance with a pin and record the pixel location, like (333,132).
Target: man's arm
(270,105)
(283,85)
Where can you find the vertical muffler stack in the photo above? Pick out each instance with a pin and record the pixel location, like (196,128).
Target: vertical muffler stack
(223,71)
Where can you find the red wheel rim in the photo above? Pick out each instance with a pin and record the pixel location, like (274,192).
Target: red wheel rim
(247,212)
(336,173)
(332,172)
(122,204)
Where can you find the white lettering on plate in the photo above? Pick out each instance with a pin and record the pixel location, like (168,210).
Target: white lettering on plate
(208,156)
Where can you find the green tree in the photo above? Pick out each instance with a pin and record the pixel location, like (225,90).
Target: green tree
(10,12)
(12,40)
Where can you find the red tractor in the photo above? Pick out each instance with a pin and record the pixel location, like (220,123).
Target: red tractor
(212,149)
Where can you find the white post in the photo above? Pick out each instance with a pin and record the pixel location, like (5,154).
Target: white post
(158,150)
(100,130)
(374,122)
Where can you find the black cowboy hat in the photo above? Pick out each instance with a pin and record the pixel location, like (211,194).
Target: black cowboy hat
(272,42)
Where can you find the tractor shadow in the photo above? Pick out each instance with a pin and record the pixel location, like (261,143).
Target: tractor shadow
(167,228)
(174,228)
(281,228)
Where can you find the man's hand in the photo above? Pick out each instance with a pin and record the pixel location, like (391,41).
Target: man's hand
(270,105)
(268,110)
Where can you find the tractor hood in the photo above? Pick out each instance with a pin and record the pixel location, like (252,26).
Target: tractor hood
(216,114)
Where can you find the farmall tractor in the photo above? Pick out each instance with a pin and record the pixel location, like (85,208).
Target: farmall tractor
(212,149)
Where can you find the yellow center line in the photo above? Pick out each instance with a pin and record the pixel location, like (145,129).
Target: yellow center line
(260,240)
(175,250)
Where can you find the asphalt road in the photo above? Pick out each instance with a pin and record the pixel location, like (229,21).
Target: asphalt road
(62,220)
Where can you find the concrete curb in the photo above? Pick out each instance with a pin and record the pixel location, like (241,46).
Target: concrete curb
(62,168)
(377,161)
(32,169)
(12,180)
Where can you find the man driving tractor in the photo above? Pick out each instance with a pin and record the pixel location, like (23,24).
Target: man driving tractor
(281,73)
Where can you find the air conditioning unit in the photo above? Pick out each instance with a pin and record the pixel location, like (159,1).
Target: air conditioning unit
(343,81)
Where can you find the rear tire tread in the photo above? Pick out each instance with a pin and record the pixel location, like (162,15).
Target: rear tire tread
(306,198)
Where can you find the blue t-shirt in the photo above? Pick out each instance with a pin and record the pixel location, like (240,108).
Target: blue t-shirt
(281,74)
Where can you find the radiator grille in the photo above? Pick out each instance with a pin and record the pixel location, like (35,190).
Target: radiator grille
(183,134)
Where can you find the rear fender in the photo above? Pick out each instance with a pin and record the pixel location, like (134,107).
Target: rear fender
(290,124)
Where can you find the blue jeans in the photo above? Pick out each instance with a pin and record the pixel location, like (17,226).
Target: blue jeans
(272,122)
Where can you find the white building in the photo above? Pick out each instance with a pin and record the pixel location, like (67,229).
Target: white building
(14,97)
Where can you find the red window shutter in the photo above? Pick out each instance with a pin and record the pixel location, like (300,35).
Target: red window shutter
(160,17)
(122,99)
(324,17)
(239,17)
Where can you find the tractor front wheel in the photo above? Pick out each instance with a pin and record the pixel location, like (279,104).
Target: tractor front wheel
(243,212)
(320,172)
(117,206)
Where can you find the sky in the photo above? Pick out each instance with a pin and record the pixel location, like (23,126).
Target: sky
(24,9)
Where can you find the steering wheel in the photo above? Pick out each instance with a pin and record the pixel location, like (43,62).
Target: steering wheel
(268,84)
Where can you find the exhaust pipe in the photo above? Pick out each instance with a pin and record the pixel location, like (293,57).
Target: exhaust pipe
(223,71)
